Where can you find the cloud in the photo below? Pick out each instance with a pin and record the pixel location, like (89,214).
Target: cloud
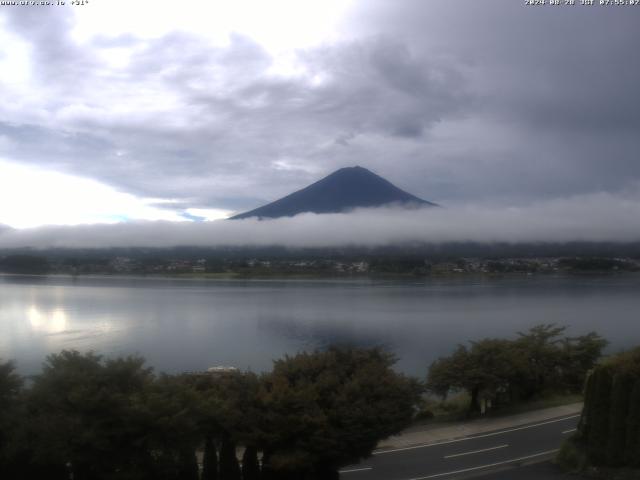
(453,101)
(590,218)
(180,117)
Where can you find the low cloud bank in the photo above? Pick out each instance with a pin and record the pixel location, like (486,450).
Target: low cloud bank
(599,217)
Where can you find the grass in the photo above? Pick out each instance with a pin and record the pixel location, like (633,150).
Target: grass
(572,459)
(542,402)
(456,407)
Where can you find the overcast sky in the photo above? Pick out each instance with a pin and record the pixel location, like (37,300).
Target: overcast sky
(125,110)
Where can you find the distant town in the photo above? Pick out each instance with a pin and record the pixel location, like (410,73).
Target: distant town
(301,266)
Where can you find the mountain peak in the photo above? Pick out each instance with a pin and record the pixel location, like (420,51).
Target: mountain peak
(342,190)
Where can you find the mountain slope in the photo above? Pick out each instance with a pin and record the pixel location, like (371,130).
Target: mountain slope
(344,189)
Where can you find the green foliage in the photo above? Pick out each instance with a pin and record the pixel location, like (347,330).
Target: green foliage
(594,264)
(449,373)
(506,371)
(188,468)
(328,409)
(209,460)
(571,456)
(229,466)
(587,410)
(10,385)
(628,361)
(483,371)
(250,465)
(230,405)
(97,419)
(632,443)
(600,413)
(24,264)
(109,419)
(424,415)
(620,398)
(540,347)
(399,265)
(610,423)
(579,355)
(10,390)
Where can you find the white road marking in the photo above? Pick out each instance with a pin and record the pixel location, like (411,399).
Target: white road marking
(356,470)
(548,452)
(501,432)
(569,431)
(476,451)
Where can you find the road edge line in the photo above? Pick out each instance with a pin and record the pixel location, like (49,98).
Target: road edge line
(464,439)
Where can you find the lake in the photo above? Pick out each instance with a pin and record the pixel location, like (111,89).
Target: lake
(180,324)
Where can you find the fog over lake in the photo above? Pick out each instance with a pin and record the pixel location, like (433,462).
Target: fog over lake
(193,324)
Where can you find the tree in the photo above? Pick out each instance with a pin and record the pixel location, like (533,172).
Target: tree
(87,416)
(24,264)
(230,413)
(620,398)
(632,442)
(171,413)
(540,348)
(486,371)
(599,421)
(447,373)
(210,460)
(579,355)
(250,465)
(610,423)
(10,417)
(324,410)
(501,371)
(10,386)
(494,365)
(229,466)
(188,469)
(586,416)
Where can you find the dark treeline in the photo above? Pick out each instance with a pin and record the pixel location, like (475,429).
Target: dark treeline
(98,262)
(89,418)
(24,264)
(96,418)
(435,251)
(609,430)
(496,371)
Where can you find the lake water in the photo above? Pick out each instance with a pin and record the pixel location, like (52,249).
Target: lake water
(193,324)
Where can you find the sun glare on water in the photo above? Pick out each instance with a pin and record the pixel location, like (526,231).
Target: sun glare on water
(54,321)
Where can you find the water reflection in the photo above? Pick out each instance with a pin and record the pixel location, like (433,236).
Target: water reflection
(189,325)
(316,335)
(54,321)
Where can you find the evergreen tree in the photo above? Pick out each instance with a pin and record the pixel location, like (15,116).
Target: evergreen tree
(188,467)
(620,397)
(632,444)
(229,466)
(266,470)
(210,460)
(250,466)
(601,405)
(586,418)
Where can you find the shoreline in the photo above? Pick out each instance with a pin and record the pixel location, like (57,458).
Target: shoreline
(231,276)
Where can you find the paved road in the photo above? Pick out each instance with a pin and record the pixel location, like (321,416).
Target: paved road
(466,456)
(539,471)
